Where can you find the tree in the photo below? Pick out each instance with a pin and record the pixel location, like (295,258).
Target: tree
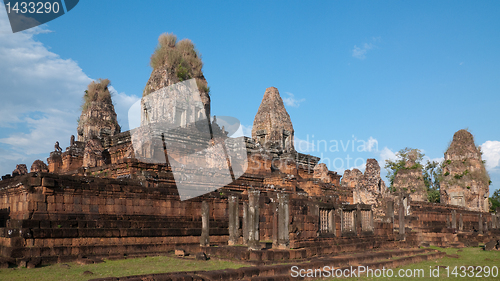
(410,158)
(404,156)
(433,172)
(495,201)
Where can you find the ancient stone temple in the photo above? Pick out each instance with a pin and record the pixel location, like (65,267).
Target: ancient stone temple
(409,179)
(465,179)
(107,196)
(272,127)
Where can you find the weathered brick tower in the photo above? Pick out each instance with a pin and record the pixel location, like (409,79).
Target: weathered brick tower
(465,179)
(272,127)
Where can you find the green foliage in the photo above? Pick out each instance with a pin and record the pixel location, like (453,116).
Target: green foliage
(182,73)
(433,174)
(403,156)
(180,58)
(433,196)
(459,176)
(494,201)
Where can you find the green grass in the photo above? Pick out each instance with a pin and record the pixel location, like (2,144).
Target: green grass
(117,268)
(467,257)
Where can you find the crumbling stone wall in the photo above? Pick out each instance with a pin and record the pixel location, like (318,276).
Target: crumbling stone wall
(20,170)
(465,179)
(368,188)
(322,173)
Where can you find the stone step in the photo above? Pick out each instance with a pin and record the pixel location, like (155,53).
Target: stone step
(372,260)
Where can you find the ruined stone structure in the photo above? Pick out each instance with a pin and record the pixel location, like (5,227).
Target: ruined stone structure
(39,167)
(409,180)
(368,188)
(98,118)
(100,197)
(272,127)
(175,61)
(20,170)
(465,179)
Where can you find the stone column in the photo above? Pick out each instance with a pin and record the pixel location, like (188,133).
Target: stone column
(460,222)
(389,213)
(283,221)
(480,223)
(274,207)
(358,224)
(245,223)
(205,217)
(341,212)
(234,220)
(401,219)
(453,218)
(331,222)
(253,220)
(493,221)
(372,225)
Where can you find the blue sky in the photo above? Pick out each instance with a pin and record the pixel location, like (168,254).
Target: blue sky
(394,74)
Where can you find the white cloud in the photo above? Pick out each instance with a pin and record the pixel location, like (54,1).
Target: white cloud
(371,144)
(386,154)
(491,153)
(55,125)
(360,52)
(41,97)
(243,131)
(291,101)
(122,104)
(303,146)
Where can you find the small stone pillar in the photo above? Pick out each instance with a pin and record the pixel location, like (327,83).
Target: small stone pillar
(401,219)
(493,221)
(372,223)
(245,223)
(234,220)
(358,220)
(453,218)
(480,223)
(205,217)
(460,222)
(283,221)
(331,222)
(389,213)
(253,220)
(274,206)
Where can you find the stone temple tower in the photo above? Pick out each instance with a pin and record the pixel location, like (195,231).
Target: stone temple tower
(176,61)
(465,179)
(98,118)
(272,127)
